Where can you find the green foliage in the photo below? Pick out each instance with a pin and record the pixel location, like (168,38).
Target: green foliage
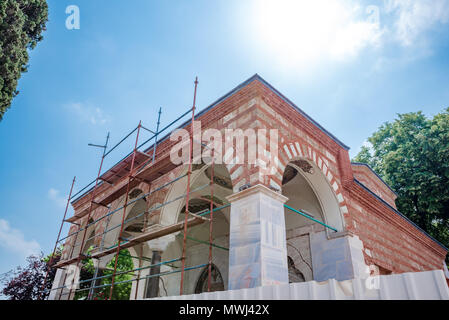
(412,156)
(121,291)
(32,282)
(21,25)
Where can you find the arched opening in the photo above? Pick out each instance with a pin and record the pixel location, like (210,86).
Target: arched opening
(128,259)
(294,275)
(216,280)
(197,238)
(307,191)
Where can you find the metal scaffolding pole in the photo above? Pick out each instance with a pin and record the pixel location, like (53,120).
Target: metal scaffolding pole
(211,222)
(145,220)
(124,208)
(133,174)
(88,216)
(183,261)
(93,283)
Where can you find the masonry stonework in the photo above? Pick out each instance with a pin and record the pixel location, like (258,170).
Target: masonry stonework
(370,229)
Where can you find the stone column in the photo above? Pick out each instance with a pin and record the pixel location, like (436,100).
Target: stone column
(337,256)
(152,290)
(100,266)
(157,246)
(257,240)
(65,279)
(57,282)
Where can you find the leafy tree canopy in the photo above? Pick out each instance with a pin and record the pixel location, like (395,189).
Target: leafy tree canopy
(26,283)
(122,289)
(21,26)
(412,155)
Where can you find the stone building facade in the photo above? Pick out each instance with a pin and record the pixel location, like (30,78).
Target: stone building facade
(258,240)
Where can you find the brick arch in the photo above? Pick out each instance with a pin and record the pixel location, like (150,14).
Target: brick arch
(297,150)
(169,213)
(238,173)
(116,218)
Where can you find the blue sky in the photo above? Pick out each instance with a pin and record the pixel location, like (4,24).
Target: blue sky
(351,65)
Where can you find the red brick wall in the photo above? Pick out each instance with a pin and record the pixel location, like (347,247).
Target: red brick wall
(364,175)
(390,241)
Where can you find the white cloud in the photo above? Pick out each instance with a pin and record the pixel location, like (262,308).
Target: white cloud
(88,113)
(13,240)
(303,31)
(299,32)
(53,195)
(414,17)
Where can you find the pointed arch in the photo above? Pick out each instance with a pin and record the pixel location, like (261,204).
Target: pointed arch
(321,179)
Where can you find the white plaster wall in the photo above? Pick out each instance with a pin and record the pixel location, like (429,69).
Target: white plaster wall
(429,285)
(196,255)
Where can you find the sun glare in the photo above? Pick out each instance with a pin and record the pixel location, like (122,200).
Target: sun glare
(300,31)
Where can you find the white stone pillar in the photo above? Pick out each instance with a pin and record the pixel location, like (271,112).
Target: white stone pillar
(57,282)
(339,256)
(257,240)
(65,279)
(157,247)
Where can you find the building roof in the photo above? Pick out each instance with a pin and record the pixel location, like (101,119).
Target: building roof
(245,83)
(400,214)
(372,170)
(280,95)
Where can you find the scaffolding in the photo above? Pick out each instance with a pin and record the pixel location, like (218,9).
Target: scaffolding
(131,169)
(135,168)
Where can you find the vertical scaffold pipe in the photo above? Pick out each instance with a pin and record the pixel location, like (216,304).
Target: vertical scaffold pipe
(124,209)
(189,173)
(157,131)
(211,221)
(88,216)
(95,279)
(145,222)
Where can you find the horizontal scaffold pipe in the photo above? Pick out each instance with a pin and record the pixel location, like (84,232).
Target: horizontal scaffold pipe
(135,257)
(84,188)
(309,217)
(206,242)
(165,128)
(121,141)
(147,277)
(203,213)
(119,208)
(121,272)
(130,280)
(141,167)
(141,145)
(151,210)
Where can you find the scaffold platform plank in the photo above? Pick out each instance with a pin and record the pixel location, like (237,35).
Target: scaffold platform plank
(154,234)
(163,231)
(110,193)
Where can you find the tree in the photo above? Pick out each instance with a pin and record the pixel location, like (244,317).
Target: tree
(21,26)
(412,155)
(27,283)
(121,291)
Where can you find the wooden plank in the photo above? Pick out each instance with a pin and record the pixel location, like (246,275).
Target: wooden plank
(150,236)
(139,239)
(111,193)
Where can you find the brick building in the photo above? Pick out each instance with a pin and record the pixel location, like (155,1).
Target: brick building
(267,230)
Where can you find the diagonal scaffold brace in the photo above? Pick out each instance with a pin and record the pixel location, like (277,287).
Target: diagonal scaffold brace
(57,240)
(80,256)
